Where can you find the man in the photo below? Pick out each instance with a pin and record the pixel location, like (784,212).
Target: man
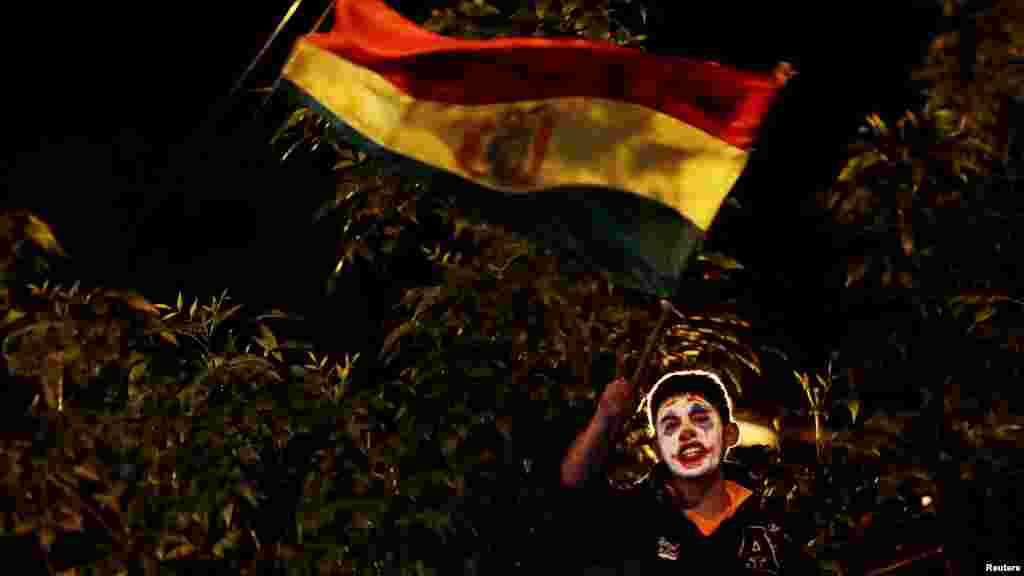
(684,510)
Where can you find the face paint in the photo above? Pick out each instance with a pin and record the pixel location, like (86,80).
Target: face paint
(690,435)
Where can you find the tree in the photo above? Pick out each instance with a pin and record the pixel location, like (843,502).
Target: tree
(191,433)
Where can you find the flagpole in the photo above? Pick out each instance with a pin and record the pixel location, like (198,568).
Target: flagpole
(327,11)
(319,23)
(266,46)
(666,310)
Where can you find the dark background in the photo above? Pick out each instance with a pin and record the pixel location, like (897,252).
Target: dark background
(121,136)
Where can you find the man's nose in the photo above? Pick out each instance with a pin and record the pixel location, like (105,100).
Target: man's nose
(687,432)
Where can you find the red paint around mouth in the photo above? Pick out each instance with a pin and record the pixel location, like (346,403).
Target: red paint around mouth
(692,461)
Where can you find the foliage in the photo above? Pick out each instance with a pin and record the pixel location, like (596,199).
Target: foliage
(969,68)
(908,182)
(478,19)
(909,179)
(925,224)
(154,433)
(181,436)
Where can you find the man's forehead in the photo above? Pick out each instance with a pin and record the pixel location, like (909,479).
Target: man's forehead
(681,400)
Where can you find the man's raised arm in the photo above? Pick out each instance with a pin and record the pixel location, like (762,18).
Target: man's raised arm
(588,452)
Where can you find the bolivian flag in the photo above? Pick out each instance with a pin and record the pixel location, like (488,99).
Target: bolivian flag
(617,154)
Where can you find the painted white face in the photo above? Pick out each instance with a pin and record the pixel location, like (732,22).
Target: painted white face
(690,435)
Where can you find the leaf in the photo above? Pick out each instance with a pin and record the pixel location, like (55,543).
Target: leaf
(481,372)
(181,551)
(192,310)
(392,339)
(268,337)
(854,406)
(649,452)
(13,315)
(268,342)
(345,162)
(87,471)
(27,527)
(40,233)
(229,541)
(343,372)
(137,302)
(230,312)
(72,521)
(878,124)
(47,536)
(297,117)
(984,314)
(226,514)
(905,279)
(859,163)
(247,492)
(112,499)
(169,337)
(477,8)
(179,301)
(907,240)
(721,260)
(984,297)
(856,270)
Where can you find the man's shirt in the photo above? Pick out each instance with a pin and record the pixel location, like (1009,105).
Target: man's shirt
(637,529)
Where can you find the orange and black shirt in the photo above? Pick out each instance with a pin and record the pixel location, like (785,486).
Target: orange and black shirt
(635,529)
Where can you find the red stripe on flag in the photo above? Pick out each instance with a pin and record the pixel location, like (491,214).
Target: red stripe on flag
(725,102)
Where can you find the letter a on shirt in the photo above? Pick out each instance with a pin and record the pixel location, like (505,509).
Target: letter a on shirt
(757,551)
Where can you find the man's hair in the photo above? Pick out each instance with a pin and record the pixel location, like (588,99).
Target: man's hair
(707,384)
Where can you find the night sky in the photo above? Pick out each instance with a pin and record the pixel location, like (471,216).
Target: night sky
(117,140)
(122,138)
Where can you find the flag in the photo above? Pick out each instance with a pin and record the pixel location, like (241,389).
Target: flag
(619,155)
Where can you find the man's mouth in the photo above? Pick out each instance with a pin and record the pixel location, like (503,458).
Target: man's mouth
(691,454)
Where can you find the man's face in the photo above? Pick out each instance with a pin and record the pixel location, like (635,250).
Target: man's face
(690,435)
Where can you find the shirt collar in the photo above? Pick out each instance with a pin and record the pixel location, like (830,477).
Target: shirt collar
(736,493)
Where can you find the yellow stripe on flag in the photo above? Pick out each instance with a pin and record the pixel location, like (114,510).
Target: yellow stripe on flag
(530,146)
